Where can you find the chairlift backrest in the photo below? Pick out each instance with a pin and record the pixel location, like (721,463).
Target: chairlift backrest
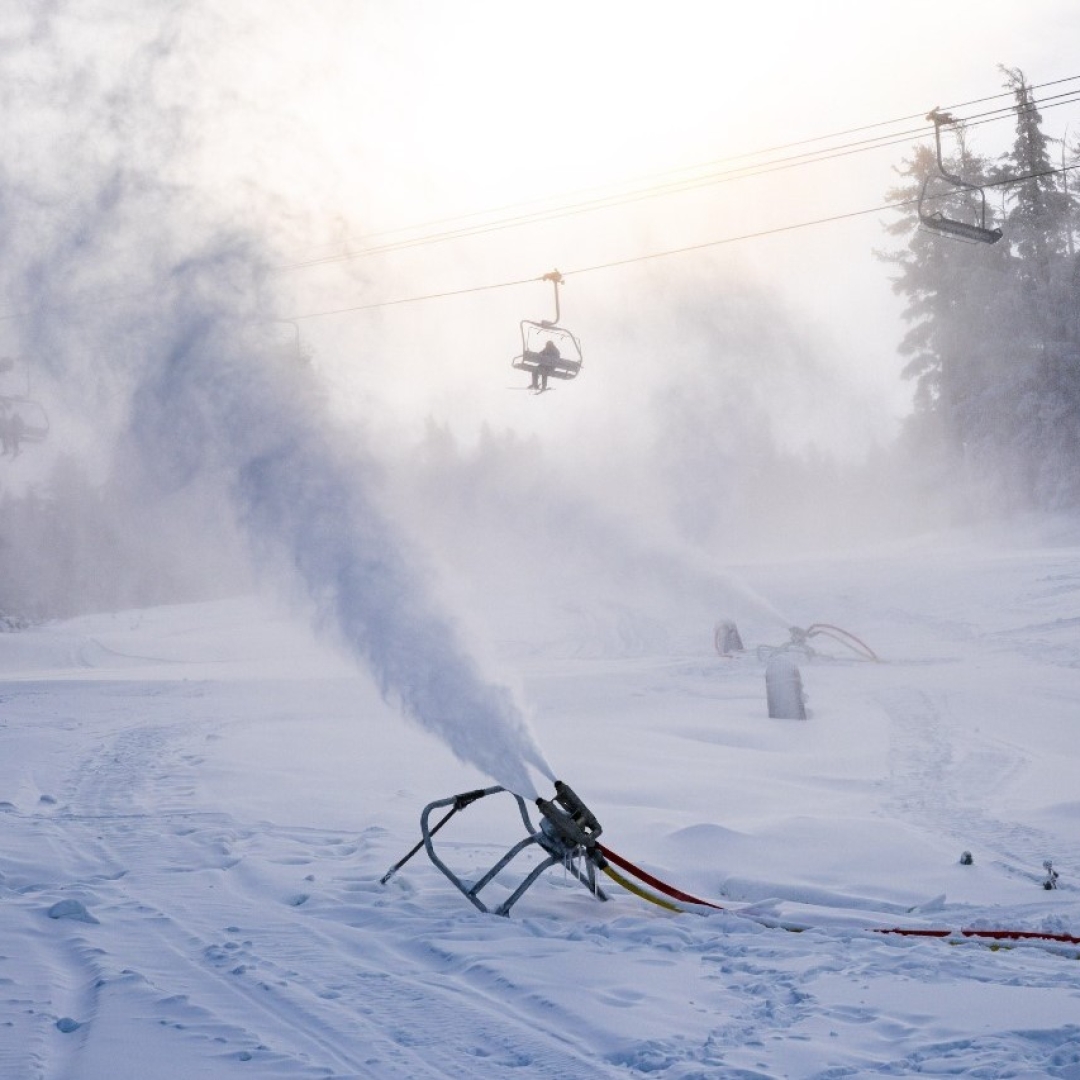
(547,348)
(937,220)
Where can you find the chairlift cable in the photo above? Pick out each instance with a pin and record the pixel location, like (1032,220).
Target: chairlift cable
(1003,113)
(1010,93)
(605,201)
(7,316)
(682,902)
(691,168)
(418,299)
(1071,97)
(671,188)
(733,172)
(759,234)
(685,169)
(1006,182)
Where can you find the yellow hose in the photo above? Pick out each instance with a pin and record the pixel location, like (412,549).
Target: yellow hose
(638,891)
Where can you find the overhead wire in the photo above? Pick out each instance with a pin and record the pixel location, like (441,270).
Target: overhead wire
(732,173)
(675,187)
(417,299)
(636,192)
(339,256)
(686,249)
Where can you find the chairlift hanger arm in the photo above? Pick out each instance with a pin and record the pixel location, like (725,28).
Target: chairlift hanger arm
(556,280)
(938,119)
(938,221)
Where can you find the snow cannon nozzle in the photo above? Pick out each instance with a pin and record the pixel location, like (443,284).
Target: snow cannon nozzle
(799,636)
(568,821)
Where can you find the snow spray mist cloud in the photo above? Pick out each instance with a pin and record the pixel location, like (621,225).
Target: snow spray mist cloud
(210,402)
(312,500)
(141,297)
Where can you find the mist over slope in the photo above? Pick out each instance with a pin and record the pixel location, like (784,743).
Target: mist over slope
(141,301)
(200,443)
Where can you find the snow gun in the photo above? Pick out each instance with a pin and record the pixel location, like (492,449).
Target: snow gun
(728,641)
(568,834)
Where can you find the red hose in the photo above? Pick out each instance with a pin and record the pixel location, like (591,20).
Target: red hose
(656,883)
(991,935)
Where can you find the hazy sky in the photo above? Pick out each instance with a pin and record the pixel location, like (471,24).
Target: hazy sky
(175,171)
(336,126)
(416,113)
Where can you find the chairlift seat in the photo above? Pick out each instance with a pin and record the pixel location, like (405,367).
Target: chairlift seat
(940,223)
(548,349)
(32,413)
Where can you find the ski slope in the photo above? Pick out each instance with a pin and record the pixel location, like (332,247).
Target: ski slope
(198,803)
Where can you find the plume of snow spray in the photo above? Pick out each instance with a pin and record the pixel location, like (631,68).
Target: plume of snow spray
(302,494)
(215,405)
(136,290)
(202,405)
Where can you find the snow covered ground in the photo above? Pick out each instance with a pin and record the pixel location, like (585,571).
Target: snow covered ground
(197,804)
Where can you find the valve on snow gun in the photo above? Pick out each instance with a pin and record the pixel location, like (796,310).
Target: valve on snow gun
(569,827)
(798,641)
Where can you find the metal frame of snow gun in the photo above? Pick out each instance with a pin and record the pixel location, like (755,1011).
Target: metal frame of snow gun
(799,641)
(567,833)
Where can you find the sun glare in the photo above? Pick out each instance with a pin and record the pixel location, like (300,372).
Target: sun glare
(350,127)
(383,116)
(470,107)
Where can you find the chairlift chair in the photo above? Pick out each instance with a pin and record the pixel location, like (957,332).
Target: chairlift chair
(35,420)
(32,419)
(548,351)
(936,219)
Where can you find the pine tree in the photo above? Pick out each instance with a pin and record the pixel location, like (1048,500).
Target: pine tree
(1038,221)
(1044,295)
(994,337)
(949,288)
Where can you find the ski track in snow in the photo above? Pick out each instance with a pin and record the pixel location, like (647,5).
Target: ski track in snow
(944,769)
(197,937)
(933,785)
(211,981)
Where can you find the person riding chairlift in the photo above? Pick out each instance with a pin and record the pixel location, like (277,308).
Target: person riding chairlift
(12,427)
(548,356)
